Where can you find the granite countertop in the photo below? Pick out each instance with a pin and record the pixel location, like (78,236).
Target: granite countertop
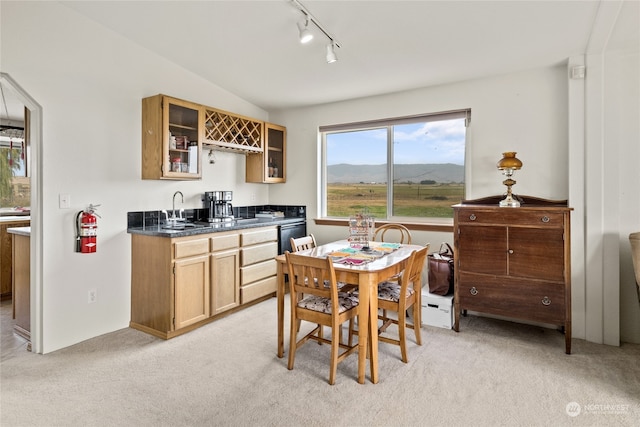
(158,230)
(22,231)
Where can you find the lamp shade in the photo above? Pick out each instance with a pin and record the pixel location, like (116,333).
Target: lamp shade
(509,161)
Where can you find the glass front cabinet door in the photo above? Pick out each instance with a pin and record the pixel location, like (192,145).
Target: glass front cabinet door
(270,165)
(171,138)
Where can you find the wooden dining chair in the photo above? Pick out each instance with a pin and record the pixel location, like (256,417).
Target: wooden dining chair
(398,297)
(302,243)
(315,298)
(397,233)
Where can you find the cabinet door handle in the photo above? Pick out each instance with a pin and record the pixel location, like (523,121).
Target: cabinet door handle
(510,251)
(472,217)
(545,219)
(546,301)
(473,291)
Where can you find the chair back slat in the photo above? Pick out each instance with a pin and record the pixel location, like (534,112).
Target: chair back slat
(397,233)
(302,243)
(413,273)
(315,276)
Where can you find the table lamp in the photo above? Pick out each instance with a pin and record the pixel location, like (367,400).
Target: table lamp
(509,164)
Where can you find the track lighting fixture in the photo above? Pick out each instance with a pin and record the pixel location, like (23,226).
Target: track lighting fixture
(305,34)
(331,54)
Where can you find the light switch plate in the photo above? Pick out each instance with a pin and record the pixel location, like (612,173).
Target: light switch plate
(64,201)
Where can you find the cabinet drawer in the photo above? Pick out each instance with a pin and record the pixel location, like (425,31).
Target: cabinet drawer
(523,299)
(258,271)
(258,253)
(258,236)
(225,241)
(187,248)
(258,289)
(512,217)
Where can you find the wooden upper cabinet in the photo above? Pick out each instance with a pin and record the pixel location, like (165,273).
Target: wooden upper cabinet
(175,131)
(269,166)
(172,135)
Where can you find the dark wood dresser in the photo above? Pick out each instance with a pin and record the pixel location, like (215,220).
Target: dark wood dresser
(514,262)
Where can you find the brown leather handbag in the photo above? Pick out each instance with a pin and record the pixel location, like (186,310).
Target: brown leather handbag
(441,270)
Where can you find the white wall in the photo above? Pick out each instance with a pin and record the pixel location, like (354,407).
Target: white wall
(621,164)
(622,141)
(605,174)
(90,83)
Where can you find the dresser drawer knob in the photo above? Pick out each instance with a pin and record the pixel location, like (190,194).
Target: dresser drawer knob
(473,291)
(510,251)
(545,219)
(472,217)
(546,301)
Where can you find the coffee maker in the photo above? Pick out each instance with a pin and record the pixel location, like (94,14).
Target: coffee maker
(219,205)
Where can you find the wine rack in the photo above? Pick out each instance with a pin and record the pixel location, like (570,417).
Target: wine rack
(225,130)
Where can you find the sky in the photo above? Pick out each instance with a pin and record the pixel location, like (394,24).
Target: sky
(432,142)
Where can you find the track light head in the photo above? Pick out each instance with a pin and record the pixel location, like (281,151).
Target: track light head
(331,54)
(305,34)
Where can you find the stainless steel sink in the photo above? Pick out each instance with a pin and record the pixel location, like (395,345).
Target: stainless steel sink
(181,226)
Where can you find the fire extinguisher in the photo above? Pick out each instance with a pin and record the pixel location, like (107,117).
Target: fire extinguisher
(87,230)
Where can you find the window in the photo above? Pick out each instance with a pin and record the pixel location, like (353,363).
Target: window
(407,167)
(15,189)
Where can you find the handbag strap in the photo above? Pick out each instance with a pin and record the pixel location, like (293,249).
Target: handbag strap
(445,249)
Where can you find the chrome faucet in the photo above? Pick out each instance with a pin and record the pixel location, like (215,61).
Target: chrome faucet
(174,205)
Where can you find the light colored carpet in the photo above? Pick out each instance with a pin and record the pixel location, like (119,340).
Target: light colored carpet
(491,373)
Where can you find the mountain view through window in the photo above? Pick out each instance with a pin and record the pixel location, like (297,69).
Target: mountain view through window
(404,170)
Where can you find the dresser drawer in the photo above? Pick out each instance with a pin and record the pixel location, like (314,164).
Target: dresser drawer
(187,248)
(512,217)
(258,236)
(518,298)
(258,253)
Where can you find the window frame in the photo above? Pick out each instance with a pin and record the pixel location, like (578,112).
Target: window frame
(419,223)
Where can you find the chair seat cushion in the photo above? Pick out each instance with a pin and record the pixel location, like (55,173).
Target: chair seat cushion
(323,305)
(390,291)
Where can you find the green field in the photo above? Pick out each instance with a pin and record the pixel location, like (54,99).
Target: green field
(413,200)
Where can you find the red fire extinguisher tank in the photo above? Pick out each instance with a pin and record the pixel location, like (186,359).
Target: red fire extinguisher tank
(87,231)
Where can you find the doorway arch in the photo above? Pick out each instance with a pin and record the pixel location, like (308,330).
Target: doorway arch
(35,160)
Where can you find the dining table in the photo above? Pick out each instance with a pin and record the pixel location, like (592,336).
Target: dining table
(367,276)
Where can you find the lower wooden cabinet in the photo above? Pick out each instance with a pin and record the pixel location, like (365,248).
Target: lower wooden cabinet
(258,267)
(21,296)
(225,280)
(179,284)
(5,255)
(191,290)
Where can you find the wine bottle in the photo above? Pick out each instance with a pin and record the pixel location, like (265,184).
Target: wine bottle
(272,167)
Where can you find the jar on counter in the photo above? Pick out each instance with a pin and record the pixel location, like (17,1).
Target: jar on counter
(176,164)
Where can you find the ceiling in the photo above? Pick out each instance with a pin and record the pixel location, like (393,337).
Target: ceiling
(251,48)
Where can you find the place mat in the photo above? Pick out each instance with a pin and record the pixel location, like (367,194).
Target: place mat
(358,256)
